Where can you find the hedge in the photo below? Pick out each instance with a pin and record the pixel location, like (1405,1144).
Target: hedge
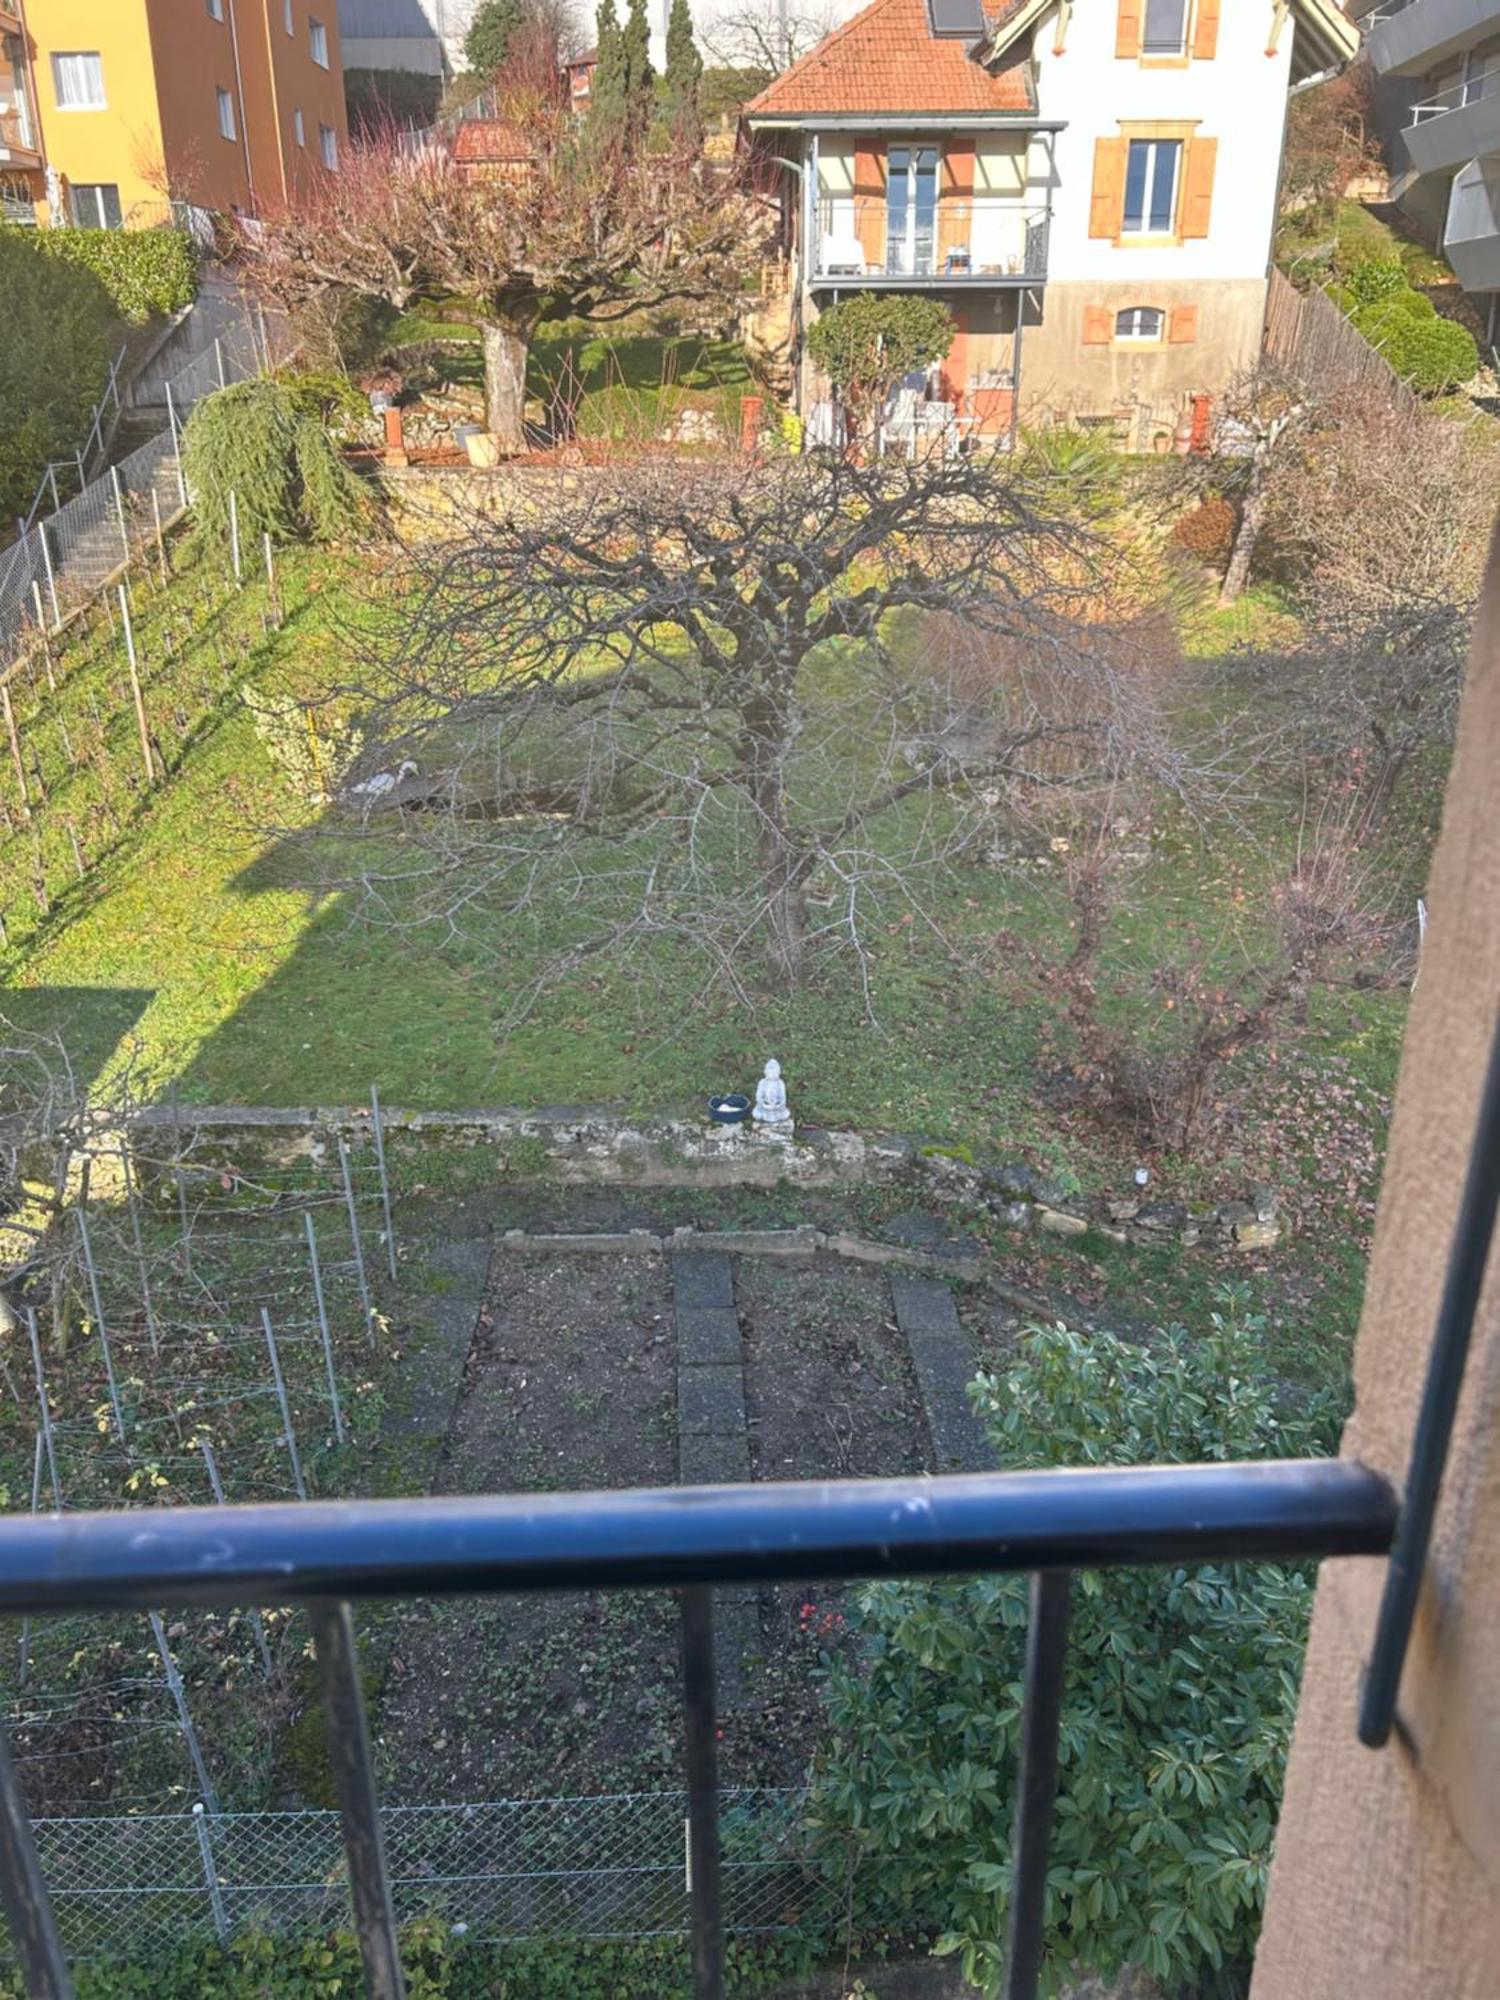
(54,361)
(145,271)
(1431,354)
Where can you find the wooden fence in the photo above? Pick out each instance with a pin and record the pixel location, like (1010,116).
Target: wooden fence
(1310,338)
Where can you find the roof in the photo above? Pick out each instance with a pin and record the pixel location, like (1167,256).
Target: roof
(886,59)
(491,139)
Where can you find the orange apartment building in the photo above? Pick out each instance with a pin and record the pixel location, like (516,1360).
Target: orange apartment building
(108,112)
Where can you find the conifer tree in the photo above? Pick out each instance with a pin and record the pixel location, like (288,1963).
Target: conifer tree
(684,74)
(607,103)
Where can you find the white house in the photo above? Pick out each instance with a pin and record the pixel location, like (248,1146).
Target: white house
(1091,187)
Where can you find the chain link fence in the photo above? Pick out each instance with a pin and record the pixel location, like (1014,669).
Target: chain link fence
(607,1867)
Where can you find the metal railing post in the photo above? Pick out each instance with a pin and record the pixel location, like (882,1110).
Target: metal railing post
(210,1874)
(23,1892)
(385,1186)
(703,1793)
(359,1255)
(1036,1781)
(41,535)
(285,1407)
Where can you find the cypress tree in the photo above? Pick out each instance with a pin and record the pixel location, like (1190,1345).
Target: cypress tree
(609,98)
(635,39)
(684,75)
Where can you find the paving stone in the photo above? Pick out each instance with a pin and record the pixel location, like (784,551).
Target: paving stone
(436,1354)
(943,1357)
(702,1281)
(709,1337)
(713,1461)
(711,1402)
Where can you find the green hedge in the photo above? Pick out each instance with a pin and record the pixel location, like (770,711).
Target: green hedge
(1430,353)
(438,1967)
(54,361)
(145,271)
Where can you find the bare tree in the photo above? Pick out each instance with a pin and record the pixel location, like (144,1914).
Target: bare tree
(746,705)
(579,224)
(1257,420)
(1159,1061)
(768,36)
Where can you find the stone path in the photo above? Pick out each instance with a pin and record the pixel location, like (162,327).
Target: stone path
(437,1348)
(943,1356)
(713,1443)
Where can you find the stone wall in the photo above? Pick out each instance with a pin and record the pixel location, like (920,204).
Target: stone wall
(582,1145)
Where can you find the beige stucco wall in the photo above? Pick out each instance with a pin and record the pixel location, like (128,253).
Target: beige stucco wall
(1060,375)
(1386,1884)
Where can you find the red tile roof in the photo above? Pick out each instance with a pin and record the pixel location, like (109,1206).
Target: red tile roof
(887,60)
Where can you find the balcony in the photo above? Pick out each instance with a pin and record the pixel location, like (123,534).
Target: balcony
(18,141)
(964,244)
(1410,37)
(322,1555)
(1471,234)
(1456,125)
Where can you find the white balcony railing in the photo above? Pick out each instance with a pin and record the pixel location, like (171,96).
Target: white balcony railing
(1473,90)
(951,242)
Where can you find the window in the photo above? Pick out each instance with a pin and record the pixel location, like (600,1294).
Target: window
(78,80)
(317,40)
(226,114)
(1139,323)
(1152,170)
(910,209)
(286,17)
(1164,32)
(299,130)
(95,206)
(328,146)
(216,10)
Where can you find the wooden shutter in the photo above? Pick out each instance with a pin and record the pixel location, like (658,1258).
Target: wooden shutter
(1107,202)
(1206,31)
(1182,326)
(1128,30)
(1098,326)
(1197,186)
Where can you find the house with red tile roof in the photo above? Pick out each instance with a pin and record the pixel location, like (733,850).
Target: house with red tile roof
(1090,187)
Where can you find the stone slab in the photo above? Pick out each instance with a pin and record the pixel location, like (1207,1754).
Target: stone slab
(703,1460)
(435,1355)
(709,1337)
(702,1281)
(944,1360)
(711,1402)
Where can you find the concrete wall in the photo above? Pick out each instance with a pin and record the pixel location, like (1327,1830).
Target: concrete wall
(1386,1883)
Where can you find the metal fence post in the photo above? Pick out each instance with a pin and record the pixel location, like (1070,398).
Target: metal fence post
(234,533)
(219,361)
(385,1186)
(179,1701)
(210,1875)
(317,1278)
(285,1406)
(359,1255)
(33,1928)
(114,480)
(41,535)
(41,626)
(257,1623)
(135,688)
(182,492)
(98,1304)
(36,1502)
(46,1413)
(131,1203)
(52,482)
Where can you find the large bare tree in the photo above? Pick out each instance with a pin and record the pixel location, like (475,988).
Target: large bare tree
(753,706)
(579,222)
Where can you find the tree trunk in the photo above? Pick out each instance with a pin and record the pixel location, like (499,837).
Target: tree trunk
(506,343)
(1252,519)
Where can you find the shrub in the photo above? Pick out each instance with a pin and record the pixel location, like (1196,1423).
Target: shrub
(1207,531)
(867,342)
(54,360)
(145,271)
(1178,1698)
(267,441)
(1431,354)
(1375,278)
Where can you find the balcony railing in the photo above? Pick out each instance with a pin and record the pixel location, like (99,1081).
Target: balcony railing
(954,242)
(1473,90)
(322,1556)
(16,130)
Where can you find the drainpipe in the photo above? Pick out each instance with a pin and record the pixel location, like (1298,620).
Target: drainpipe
(239,91)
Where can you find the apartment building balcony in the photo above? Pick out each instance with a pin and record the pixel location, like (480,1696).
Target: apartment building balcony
(1410,37)
(1471,234)
(20,145)
(1455,125)
(963,244)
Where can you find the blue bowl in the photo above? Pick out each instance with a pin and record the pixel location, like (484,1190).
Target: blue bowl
(731,1110)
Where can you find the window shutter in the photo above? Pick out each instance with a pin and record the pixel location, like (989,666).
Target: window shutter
(1128,30)
(1107,203)
(1182,326)
(1198,187)
(1098,326)
(1206,31)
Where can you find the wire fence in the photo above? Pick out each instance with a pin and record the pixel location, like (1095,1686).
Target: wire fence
(606,1867)
(63,558)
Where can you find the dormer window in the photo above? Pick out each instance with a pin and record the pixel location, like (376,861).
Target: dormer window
(1165,28)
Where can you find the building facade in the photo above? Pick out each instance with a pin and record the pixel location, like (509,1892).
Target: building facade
(1091,191)
(1437,66)
(227,105)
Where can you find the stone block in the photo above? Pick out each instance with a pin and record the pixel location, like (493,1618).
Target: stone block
(708,1337)
(1059,1223)
(1256,1235)
(710,1402)
(702,1281)
(703,1460)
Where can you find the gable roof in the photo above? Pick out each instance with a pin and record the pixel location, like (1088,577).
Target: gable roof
(1326,37)
(886,59)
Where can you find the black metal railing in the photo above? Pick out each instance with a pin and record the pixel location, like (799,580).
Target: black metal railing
(323,1556)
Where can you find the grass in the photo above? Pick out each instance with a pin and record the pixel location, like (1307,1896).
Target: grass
(1330,238)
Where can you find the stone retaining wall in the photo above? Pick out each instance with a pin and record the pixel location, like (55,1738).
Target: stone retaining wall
(588,1146)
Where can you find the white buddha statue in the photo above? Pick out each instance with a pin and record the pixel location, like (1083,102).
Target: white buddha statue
(770,1101)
